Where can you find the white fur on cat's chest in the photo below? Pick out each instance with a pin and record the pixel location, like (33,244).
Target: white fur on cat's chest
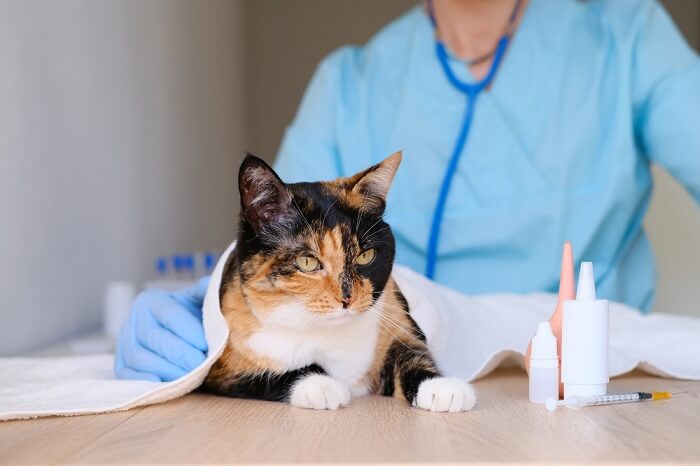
(345,351)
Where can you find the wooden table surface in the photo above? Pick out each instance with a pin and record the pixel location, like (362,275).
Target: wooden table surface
(504,427)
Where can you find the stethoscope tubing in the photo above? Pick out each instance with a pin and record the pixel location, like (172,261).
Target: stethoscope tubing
(471,92)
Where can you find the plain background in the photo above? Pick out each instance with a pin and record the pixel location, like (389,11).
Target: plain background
(122,124)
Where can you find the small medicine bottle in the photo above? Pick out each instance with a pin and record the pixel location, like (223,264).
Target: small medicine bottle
(544,365)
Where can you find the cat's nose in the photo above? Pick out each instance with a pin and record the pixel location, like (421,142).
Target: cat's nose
(346,299)
(346,292)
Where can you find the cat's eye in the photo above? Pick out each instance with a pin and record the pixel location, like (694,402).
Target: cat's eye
(307,263)
(365,257)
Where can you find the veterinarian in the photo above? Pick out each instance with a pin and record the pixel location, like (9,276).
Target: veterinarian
(523,124)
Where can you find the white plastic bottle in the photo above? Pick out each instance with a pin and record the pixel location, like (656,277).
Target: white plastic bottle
(117,304)
(544,365)
(585,325)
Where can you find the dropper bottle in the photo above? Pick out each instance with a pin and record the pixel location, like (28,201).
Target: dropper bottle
(585,340)
(544,365)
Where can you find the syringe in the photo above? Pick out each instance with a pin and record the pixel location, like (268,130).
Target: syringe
(577,402)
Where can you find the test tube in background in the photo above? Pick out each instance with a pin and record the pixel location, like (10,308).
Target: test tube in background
(181,270)
(209,262)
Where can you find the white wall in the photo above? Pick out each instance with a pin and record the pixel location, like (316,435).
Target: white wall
(120,135)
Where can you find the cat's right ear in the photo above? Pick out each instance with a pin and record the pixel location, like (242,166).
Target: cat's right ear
(265,199)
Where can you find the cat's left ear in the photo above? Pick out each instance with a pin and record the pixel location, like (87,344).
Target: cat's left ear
(371,186)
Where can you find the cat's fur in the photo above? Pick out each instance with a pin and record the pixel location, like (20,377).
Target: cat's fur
(317,338)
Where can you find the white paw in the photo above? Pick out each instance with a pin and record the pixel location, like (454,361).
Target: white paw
(320,392)
(445,394)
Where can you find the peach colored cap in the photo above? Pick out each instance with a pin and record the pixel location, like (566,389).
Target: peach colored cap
(566,277)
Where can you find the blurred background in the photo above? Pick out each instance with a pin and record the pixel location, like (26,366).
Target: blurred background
(122,124)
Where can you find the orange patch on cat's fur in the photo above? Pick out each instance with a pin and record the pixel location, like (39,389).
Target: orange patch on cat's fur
(237,358)
(366,190)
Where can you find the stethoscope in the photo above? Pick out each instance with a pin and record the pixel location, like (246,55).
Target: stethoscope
(471,91)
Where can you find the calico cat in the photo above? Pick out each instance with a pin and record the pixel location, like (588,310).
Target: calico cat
(313,312)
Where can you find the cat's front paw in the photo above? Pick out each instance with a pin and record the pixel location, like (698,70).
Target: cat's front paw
(320,392)
(443,394)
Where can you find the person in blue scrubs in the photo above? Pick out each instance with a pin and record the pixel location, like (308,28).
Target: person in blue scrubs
(588,95)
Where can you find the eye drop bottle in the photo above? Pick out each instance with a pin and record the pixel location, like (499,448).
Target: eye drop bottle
(584,354)
(544,365)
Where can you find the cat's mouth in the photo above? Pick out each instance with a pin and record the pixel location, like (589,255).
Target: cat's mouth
(339,315)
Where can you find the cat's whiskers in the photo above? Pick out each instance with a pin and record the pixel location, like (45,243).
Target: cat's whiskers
(418,347)
(394,308)
(370,228)
(318,246)
(402,326)
(374,244)
(374,233)
(357,223)
(399,325)
(379,321)
(323,222)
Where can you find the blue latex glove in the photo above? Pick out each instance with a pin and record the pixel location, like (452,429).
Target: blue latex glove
(163,338)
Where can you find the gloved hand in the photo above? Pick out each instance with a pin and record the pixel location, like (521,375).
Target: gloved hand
(163,338)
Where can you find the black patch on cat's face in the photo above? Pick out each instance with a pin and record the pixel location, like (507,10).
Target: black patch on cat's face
(324,210)
(361,230)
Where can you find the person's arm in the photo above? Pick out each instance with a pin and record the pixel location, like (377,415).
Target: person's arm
(666,78)
(309,149)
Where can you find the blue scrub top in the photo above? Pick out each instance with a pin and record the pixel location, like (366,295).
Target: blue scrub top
(588,96)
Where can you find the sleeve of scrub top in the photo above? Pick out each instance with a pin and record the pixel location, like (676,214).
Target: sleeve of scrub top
(667,79)
(309,149)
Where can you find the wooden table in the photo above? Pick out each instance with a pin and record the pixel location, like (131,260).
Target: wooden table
(503,427)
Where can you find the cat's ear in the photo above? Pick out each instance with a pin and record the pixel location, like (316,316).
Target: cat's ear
(265,199)
(370,187)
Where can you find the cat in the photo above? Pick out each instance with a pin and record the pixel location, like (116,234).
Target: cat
(314,315)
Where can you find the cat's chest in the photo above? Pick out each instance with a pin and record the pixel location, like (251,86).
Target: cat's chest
(345,351)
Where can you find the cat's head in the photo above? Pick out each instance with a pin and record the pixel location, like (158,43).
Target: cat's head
(313,254)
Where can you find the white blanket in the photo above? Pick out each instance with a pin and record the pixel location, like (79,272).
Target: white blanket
(468,335)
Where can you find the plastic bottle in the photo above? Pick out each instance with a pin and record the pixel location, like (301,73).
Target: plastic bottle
(544,365)
(116,307)
(585,340)
(188,266)
(178,266)
(173,273)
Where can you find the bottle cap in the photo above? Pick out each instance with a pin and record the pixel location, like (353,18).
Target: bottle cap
(161,265)
(178,263)
(544,343)
(188,262)
(586,283)
(209,261)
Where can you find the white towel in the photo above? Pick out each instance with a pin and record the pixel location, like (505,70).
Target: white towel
(468,335)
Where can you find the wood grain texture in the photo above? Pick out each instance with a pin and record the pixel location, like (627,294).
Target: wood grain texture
(503,427)
(54,439)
